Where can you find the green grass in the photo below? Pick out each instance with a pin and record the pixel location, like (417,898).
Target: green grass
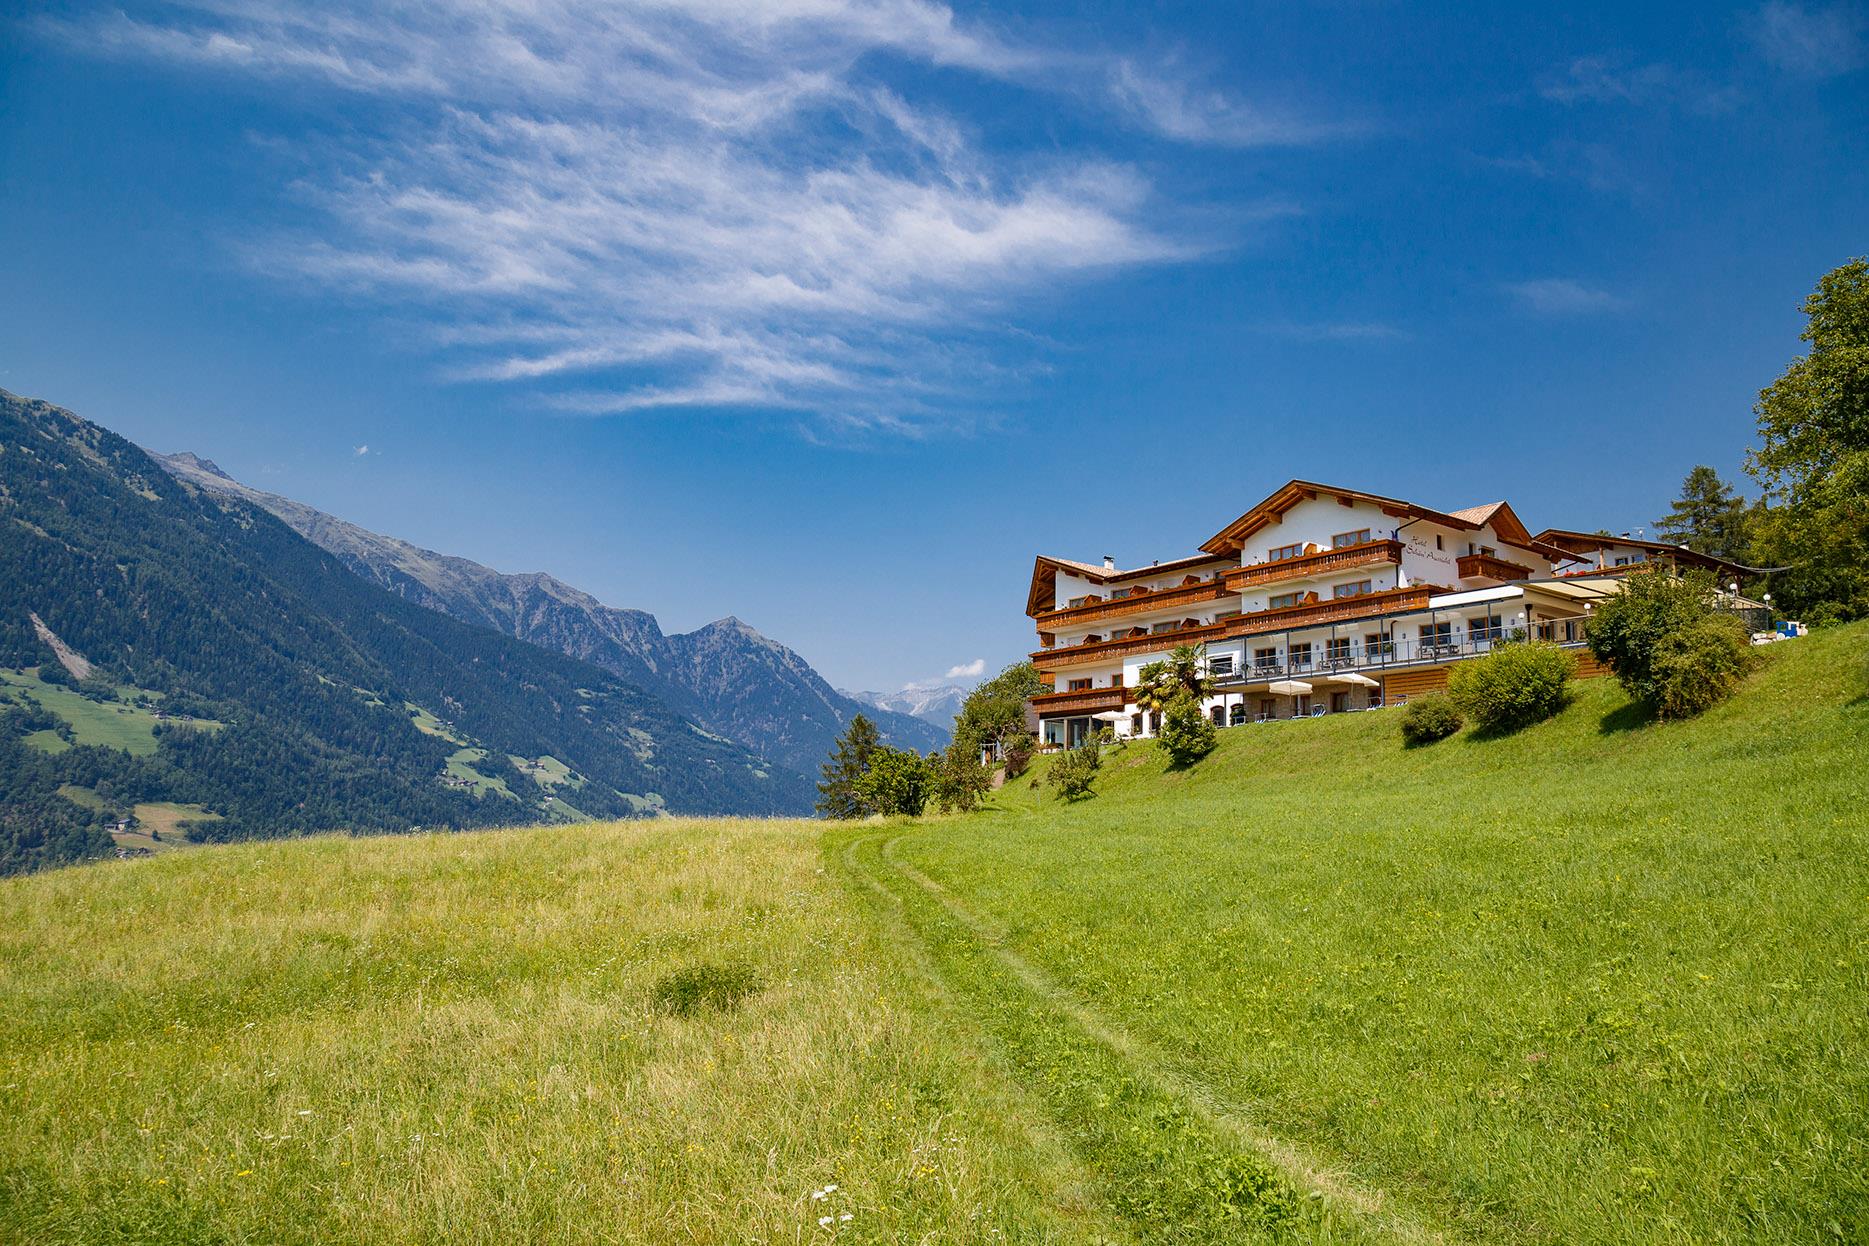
(107,724)
(1597,982)
(461,766)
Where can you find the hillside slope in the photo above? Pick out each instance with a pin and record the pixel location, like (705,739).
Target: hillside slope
(726,676)
(332,703)
(1599,982)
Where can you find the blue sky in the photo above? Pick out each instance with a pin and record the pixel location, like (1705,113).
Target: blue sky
(831,315)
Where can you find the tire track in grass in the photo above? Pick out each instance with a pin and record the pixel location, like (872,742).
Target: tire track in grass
(1170,1162)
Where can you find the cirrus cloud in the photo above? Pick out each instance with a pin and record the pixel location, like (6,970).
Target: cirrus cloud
(704,205)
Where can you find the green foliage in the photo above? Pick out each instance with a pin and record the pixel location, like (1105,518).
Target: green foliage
(1187,735)
(899,782)
(1666,640)
(1073,771)
(1708,518)
(994,712)
(960,781)
(840,793)
(1428,718)
(1182,673)
(1016,751)
(1813,456)
(1699,666)
(1513,686)
(706,986)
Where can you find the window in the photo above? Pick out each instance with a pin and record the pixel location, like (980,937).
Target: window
(1267,707)
(1355,588)
(1221,665)
(1300,655)
(1342,539)
(1339,702)
(1622,562)
(1487,551)
(1378,645)
(1265,659)
(1437,541)
(1219,715)
(1281,600)
(1285,552)
(1485,629)
(1079,685)
(1437,634)
(1337,649)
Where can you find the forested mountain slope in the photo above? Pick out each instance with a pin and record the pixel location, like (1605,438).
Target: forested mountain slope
(726,676)
(312,698)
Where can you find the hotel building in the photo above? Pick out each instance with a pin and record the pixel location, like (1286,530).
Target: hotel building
(1319,599)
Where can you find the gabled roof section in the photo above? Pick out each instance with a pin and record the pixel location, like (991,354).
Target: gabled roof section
(1043,594)
(1231,538)
(1576,544)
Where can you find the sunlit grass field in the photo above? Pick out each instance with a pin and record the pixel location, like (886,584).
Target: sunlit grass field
(1601,982)
(459,1039)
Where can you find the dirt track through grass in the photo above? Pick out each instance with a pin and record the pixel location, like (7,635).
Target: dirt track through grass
(1152,1138)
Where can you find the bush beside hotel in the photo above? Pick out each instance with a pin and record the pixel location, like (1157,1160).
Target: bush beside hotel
(1430,718)
(1669,644)
(1514,686)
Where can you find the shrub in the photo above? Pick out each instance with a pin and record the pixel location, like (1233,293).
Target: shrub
(1429,718)
(899,781)
(690,989)
(1187,735)
(1669,644)
(1513,686)
(1698,666)
(1017,751)
(1073,772)
(960,781)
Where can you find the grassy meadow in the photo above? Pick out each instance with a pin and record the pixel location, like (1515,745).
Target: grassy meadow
(1599,982)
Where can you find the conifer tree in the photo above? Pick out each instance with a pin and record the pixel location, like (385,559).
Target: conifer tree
(840,794)
(1708,517)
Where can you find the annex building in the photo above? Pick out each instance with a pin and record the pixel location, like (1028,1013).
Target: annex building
(1320,599)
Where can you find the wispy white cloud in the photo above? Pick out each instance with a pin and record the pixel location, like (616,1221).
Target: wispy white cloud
(967,670)
(1818,43)
(359,451)
(1337,331)
(698,204)
(1614,80)
(1564,296)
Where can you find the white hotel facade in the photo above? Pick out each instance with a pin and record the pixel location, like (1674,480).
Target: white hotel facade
(1319,599)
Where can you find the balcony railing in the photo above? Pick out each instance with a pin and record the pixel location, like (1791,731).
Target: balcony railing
(1082,701)
(1070,655)
(1337,609)
(1135,603)
(1486,567)
(1346,558)
(1362,658)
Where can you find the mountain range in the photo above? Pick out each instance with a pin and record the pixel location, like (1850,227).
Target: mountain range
(164,642)
(726,676)
(937,704)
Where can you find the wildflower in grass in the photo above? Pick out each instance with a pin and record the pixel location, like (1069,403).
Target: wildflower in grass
(825,1222)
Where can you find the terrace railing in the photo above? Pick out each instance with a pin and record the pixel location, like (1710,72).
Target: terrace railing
(1325,562)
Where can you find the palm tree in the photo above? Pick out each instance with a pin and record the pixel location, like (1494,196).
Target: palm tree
(1182,673)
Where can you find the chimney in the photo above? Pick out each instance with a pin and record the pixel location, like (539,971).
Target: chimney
(1109,562)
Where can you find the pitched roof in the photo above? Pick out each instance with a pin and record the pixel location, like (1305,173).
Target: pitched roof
(1045,568)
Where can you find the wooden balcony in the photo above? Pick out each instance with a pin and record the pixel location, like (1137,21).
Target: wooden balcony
(1336,610)
(1135,603)
(1122,646)
(1327,562)
(1083,701)
(1486,567)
